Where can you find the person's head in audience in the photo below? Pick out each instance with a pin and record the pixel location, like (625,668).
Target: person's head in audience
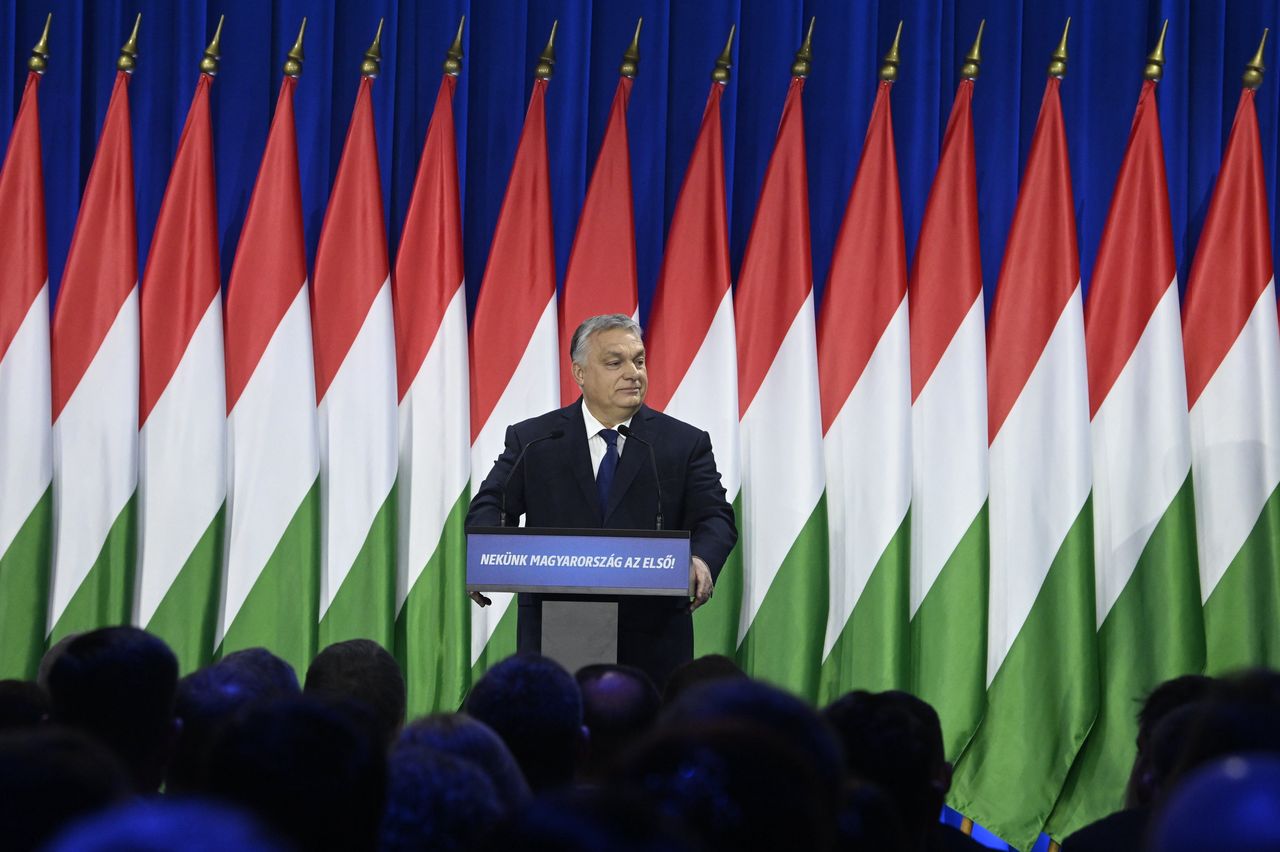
(436,801)
(50,657)
(894,741)
(734,784)
(118,684)
(1168,697)
(168,825)
(304,768)
(50,777)
(591,819)
(470,739)
(1240,714)
(868,820)
(534,705)
(23,704)
(262,673)
(786,716)
(363,672)
(619,703)
(1230,804)
(698,671)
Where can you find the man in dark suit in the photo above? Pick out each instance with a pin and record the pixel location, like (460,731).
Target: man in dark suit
(585,474)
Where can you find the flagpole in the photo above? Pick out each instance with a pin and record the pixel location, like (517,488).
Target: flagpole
(1253,71)
(547,59)
(39,60)
(372,62)
(1058,61)
(453,57)
(293,62)
(631,57)
(804,56)
(129,52)
(1154,69)
(889,66)
(725,60)
(973,60)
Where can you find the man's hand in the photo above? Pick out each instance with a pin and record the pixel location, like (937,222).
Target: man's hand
(701,583)
(479,598)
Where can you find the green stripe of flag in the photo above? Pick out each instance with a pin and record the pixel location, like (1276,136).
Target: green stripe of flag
(784,642)
(187,617)
(1151,634)
(1240,617)
(501,644)
(363,607)
(873,649)
(24,592)
(105,596)
(949,638)
(280,610)
(433,629)
(715,623)
(1041,703)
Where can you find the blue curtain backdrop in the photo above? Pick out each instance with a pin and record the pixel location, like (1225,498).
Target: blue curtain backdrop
(1209,43)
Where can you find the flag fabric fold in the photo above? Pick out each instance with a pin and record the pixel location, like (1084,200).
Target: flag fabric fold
(691,349)
(1041,646)
(1233,390)
(94,346)
(433,613)
(784,552)
(514,349)
(182,439)
(356,395)
(949,520)
(26,438)
(601,275)
(271,586)
(864,368)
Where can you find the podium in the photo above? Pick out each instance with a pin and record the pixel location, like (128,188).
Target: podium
(577,575)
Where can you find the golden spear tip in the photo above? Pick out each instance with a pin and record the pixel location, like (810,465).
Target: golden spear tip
(973,61)
(39,60)
(1058,61)
(129,53)
(631,58)
(804,56)
(453,58)
(1253,71)
(1154,69)
(212,53)
(889,70)
(293,63)
(547,60)
(725,61)
(373,56)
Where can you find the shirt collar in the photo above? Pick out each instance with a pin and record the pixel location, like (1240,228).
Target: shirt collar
(593,425)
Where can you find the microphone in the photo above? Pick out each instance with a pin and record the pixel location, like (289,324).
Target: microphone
(629,433)
(506,483)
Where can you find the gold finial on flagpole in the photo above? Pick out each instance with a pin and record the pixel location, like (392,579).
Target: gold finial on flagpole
(1155,60)
(453,58)
(1253,71)
(39,60)
(631,57)
(889,68)
(373,56)
(212,53)
(973,60)
(547,60)
(725,61)
(1058,61)
(129,53)
(293,62)
(804,56)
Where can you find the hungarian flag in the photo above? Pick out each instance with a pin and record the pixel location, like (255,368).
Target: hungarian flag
(864,367)
(784,529)
(1233,372)
(95,394)
(433,612)
(26,442)
(949,521)
(514,363)
(182,444)
(601,276)
(273,502)
(1144,547)
(692,349)
(1042,663)
(356,393)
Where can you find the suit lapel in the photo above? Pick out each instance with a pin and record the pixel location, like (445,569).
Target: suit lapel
(579,456)
(635,457)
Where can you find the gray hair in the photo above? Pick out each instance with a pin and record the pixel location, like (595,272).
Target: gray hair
(591,325)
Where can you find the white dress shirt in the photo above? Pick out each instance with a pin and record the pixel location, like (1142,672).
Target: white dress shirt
(595,443)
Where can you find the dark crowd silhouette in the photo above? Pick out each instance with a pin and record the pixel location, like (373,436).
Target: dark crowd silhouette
(109,749)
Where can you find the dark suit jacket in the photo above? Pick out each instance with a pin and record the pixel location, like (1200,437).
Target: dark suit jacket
(555,487)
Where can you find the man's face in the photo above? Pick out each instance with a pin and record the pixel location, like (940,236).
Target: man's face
(613,378)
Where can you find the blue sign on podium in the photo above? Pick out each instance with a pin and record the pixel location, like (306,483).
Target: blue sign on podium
(587,562)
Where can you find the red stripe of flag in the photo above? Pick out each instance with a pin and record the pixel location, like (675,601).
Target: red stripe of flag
(22,231)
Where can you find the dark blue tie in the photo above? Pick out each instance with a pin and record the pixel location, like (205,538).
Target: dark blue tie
(608,467)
